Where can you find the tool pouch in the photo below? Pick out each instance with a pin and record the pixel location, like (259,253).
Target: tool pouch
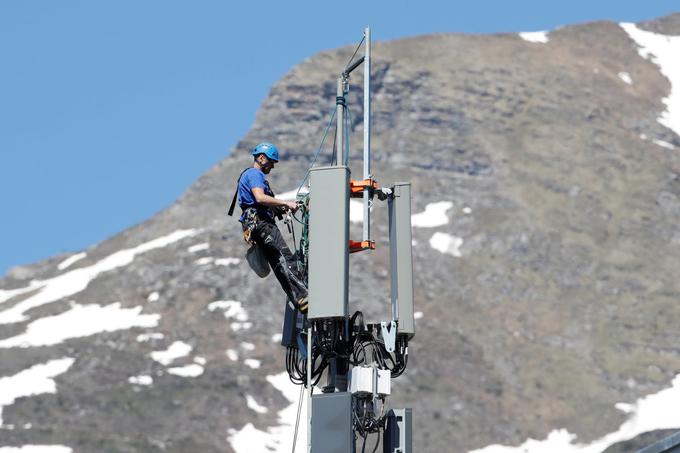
(249,223)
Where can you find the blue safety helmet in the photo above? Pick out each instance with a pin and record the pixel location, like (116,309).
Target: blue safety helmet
(269,150)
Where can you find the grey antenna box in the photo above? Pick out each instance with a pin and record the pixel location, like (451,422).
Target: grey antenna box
(328,242)
(401,260)
(332,424)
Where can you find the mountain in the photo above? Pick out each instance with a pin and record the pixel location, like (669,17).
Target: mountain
(546,194)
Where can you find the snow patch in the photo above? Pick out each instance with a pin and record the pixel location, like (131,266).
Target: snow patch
(80,321)
(143,379)
(248,346)
(625,77)
(663,144)
(418,315)
(198,247)
(153,297)
(534,36)
(236,326)
(75,281)
(193,370)
(232,354)
(175,351)
(446,243)
(663,50)
(433,216)
(467,210)
(144,337)
(252,363)
(650,413)
(71,260)
(35,380)
(227,261)
(625,407)
(252,404)
(277,439)
(7,294)
(205,260)
(277,337)
(233,309)
(37,449)
(200,360)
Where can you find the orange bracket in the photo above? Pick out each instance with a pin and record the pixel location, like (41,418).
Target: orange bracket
(358,246)
(356,188)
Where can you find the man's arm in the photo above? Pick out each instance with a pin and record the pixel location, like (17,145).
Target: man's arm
(271,202)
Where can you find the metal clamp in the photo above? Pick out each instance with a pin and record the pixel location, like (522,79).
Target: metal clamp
(388,331)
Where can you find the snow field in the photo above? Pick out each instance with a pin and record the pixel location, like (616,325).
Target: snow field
(75,281)
(539,37)
(252,404)
(71,260)
(193,370)
(175,351)
(625,77)
(252,363)
(80,321)
(433,216)
(144,337)
(248,346)
(652,412)
(447,244)
(198,247)
(663,144)
(37,449)
(233,309)
(200,360)
(662,50)
(35,380)
(277,439)
(143,379)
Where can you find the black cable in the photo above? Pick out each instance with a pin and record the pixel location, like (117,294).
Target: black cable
(377,442)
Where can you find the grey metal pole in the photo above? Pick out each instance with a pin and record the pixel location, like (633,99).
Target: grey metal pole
(367,130)
(340,118)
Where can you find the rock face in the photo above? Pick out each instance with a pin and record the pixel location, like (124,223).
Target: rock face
(565,193)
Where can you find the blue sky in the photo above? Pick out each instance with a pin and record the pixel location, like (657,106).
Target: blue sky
(109,110)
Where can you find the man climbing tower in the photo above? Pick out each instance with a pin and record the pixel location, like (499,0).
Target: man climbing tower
(259,209)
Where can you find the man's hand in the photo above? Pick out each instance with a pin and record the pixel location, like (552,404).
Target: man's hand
(292,205)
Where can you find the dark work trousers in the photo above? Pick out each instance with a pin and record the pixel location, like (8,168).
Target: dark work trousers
(268,236)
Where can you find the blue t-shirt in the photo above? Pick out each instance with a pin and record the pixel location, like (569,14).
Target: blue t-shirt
(251,179)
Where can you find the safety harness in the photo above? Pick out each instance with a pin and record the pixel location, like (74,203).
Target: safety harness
(250,218)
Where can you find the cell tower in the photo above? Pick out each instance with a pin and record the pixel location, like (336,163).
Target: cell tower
(358,359)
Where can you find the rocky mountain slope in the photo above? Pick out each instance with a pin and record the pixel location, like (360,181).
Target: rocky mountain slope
(546,173)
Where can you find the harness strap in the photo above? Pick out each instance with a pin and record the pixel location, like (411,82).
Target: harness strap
(233,201)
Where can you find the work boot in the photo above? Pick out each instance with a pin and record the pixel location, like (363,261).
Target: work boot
(303,305)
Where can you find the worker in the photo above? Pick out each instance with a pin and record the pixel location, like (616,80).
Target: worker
(259,210)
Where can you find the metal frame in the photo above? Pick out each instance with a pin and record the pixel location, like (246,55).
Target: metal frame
(328,270)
